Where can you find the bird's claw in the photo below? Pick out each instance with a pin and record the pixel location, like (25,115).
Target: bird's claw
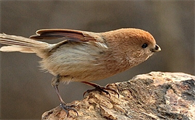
(101,89)
(67,108)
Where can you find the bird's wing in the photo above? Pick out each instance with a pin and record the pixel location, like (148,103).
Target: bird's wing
(68,34)
(71,36)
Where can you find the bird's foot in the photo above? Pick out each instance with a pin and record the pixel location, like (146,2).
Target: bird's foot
(67,108)
(99,88)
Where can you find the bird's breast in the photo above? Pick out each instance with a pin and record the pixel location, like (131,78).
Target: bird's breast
(84,62)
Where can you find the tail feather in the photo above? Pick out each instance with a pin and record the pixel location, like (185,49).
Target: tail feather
(14,42)
(22,44)
(15,48)
(20,41)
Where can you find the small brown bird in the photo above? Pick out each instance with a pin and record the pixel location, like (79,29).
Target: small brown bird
(85,56)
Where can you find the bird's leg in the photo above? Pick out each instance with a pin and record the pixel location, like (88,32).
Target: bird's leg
(55,84)
(63,105)
(98,88)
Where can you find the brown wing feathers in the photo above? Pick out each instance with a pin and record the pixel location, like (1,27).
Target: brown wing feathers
(72,35)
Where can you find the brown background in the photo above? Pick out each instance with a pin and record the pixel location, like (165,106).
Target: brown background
(26,91)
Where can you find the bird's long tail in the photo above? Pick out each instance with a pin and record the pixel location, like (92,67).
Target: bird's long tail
(22,44)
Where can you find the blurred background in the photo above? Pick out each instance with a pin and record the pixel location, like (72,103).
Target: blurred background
(26,91)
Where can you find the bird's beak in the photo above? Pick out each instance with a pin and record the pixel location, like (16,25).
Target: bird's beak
(156,49)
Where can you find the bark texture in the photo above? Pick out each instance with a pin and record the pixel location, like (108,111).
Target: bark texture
(152,96)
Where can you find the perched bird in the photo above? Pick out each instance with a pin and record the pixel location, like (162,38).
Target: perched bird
(85,56)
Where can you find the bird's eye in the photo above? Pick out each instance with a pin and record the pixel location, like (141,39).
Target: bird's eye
(144,45)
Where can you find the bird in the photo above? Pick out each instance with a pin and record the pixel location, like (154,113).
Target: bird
(84,56)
